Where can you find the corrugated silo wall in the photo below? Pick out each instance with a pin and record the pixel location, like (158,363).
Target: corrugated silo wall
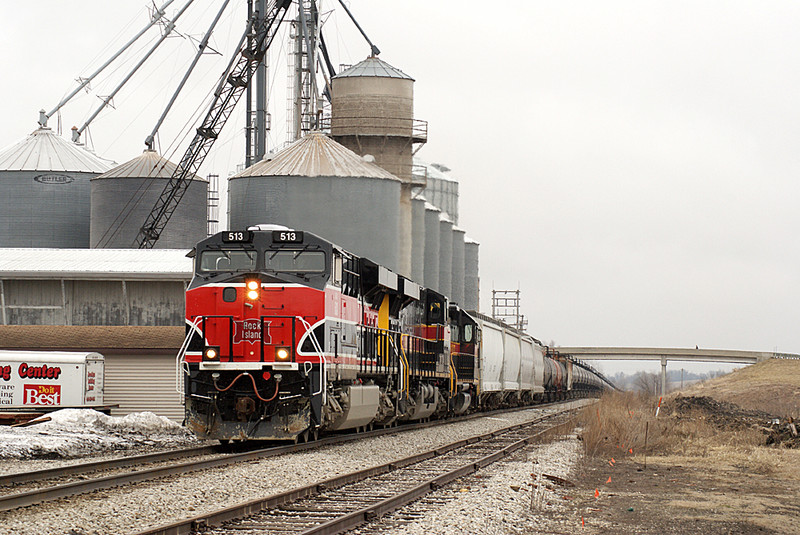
(458,267)
(443,194)
(359,214)
(432,233)
(418,241)
(471,276)
(44,209)
(446,257)
(120,207)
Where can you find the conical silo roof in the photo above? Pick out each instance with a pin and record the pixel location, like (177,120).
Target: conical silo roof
(316,155)
(373,67)
(44,150)
(148,165)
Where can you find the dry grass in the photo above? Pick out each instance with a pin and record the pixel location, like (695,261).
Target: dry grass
(772,386)
(625,423)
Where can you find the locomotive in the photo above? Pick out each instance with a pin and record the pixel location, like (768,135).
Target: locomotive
(289,335)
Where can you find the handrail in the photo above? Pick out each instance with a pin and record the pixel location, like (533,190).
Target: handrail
(180,358)
(323,384)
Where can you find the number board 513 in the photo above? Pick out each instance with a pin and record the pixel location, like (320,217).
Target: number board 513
(237,236)
(287,236)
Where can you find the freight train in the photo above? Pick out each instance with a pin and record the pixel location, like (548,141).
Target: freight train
(289,335)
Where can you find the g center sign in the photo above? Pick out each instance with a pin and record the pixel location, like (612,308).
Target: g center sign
(42,379)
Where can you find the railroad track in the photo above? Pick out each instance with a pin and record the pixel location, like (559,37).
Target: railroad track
(81,482)
(348,501)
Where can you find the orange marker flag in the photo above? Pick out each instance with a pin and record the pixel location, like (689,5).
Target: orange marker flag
(631,450)
(583,523)
(596,493)
(609,479)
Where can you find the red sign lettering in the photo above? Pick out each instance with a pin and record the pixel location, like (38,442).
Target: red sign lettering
(39,372)
(5,372)
(41,394)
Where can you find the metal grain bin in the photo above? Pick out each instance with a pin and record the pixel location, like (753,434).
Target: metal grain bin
(123,198)
(432,232)
(418,240)
(471,275)
(445,256)
(457,294)
(441,190)
(320,186)
(45,192)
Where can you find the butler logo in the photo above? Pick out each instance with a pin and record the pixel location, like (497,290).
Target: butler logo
(53,179)
(41,394)
(250,331)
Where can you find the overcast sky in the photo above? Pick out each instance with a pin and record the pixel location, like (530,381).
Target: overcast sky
(631,167)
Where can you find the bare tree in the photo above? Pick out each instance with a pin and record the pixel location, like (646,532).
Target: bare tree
(649,383)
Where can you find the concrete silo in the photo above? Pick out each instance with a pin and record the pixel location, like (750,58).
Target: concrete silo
(45,192)
(320,186)
(418,240)
(372,112)
(123,197)
(471,275)
(432,233)
(445,256)
(457,293)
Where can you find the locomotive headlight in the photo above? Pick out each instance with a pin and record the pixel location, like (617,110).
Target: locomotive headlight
(252,289)
(282,354)
(211,354)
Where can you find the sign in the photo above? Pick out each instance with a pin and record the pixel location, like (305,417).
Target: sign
(287,236)
(41,395)
(32,381)
(53,179)
(237,236)
(250,331)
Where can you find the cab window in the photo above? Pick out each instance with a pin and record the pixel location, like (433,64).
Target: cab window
(227,260)
(467,334)
(296,261)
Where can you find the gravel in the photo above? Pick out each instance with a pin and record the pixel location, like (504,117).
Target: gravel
(500,499)
(150,504)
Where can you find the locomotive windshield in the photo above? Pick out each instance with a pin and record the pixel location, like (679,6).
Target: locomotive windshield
(300,260)
(227,260)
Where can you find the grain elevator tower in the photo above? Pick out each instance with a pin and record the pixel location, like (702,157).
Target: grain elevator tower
(372,112)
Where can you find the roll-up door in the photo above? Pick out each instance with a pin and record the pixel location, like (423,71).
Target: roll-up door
(140,383)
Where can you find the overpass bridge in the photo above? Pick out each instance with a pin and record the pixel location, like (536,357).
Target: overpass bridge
(676,354)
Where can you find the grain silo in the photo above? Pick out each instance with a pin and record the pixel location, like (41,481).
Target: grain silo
(123,197)
(418,240)
(445,256)
(471,275)
(372,112)
(320,186)
(432,233)
(457,293)
(441,190)
(45,192)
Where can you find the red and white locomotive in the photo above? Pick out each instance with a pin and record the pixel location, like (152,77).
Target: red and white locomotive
(289,335)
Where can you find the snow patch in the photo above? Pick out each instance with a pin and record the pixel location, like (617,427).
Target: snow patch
(80,432)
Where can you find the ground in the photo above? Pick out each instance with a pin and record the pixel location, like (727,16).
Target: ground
(685,495)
